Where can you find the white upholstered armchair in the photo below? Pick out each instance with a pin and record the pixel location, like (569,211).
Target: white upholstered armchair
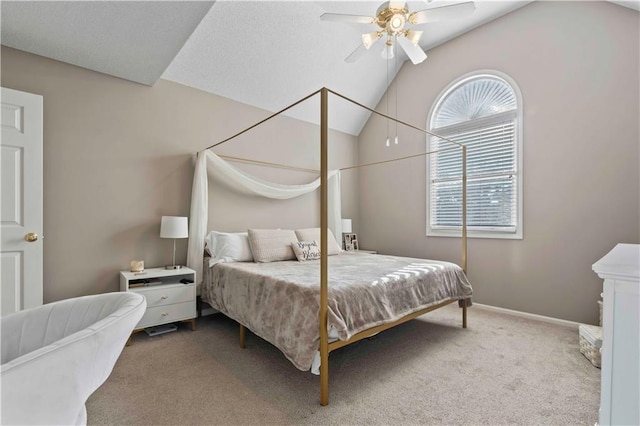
(56,355)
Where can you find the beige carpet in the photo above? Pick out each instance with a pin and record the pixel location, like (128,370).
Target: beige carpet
(501,370)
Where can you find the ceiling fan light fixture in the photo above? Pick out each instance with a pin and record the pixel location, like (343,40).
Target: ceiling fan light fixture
(387,52)
(413,36)
(396,23)
(370,38)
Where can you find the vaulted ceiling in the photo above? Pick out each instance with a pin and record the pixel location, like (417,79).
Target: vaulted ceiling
(263,53)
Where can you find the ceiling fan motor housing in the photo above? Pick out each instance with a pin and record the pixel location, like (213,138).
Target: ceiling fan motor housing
(390,19)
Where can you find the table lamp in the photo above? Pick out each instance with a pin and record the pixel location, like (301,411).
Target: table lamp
(174,227)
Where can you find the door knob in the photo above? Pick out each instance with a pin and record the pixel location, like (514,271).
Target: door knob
(31,237)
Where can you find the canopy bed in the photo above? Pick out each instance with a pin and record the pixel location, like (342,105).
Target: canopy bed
(285,301)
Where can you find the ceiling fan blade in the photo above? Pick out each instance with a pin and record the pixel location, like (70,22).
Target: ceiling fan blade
(413,51)
(396,4)
(356,54)
(442,13)
(413,36)
(339,17)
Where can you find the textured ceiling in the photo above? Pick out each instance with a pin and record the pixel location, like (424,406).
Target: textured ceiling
(263,53)
(269,54)
(131,40)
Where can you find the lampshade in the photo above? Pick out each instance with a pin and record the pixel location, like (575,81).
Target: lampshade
(174,227)
(387,52)
(346,226)
(370,38)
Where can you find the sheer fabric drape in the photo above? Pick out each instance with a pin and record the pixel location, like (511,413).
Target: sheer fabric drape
(209,164)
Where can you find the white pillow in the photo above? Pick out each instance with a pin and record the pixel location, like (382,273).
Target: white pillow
(228,247)
(306,250)
(272,245)
(313,234)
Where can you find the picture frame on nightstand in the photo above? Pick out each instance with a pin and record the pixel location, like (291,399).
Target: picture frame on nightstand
(350,242)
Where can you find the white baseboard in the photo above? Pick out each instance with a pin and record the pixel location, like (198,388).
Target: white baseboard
(543,318)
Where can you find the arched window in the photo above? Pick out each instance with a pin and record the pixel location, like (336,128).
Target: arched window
(483,111)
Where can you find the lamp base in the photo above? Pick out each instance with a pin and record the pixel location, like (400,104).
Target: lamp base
(173,267)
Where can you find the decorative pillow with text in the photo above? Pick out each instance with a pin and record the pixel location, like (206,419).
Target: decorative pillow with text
(313,234)
(306,250)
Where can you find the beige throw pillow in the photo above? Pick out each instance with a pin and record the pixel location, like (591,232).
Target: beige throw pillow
(272,245)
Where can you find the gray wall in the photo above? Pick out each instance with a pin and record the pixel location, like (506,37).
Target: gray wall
(576,64)
(119,155)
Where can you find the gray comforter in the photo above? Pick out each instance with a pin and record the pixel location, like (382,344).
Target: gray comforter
(279,301)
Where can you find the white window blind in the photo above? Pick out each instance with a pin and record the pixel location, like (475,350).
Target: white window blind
(491,179)
(481,114)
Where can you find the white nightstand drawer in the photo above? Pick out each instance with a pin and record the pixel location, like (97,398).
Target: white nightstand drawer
(168,294)
(168,300)
(169,313)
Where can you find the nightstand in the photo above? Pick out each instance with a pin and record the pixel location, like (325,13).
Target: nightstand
(168,299)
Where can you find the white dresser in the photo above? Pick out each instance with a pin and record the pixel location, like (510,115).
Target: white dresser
(620,385)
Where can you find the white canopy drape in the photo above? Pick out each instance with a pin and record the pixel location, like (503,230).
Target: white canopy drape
(209,164)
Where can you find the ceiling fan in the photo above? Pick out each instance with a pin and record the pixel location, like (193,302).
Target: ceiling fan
(394,19)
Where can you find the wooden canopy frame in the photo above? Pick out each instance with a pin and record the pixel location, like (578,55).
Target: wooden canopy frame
(325,346)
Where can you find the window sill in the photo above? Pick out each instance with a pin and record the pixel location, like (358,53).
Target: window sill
(517,235)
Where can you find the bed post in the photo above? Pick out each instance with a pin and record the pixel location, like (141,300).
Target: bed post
(464,228)
(464,208)
(464,313)
(324,338)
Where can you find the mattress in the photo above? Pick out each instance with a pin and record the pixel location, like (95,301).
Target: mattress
(279,301)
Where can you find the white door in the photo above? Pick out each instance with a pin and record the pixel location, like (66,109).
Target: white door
(21,201)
